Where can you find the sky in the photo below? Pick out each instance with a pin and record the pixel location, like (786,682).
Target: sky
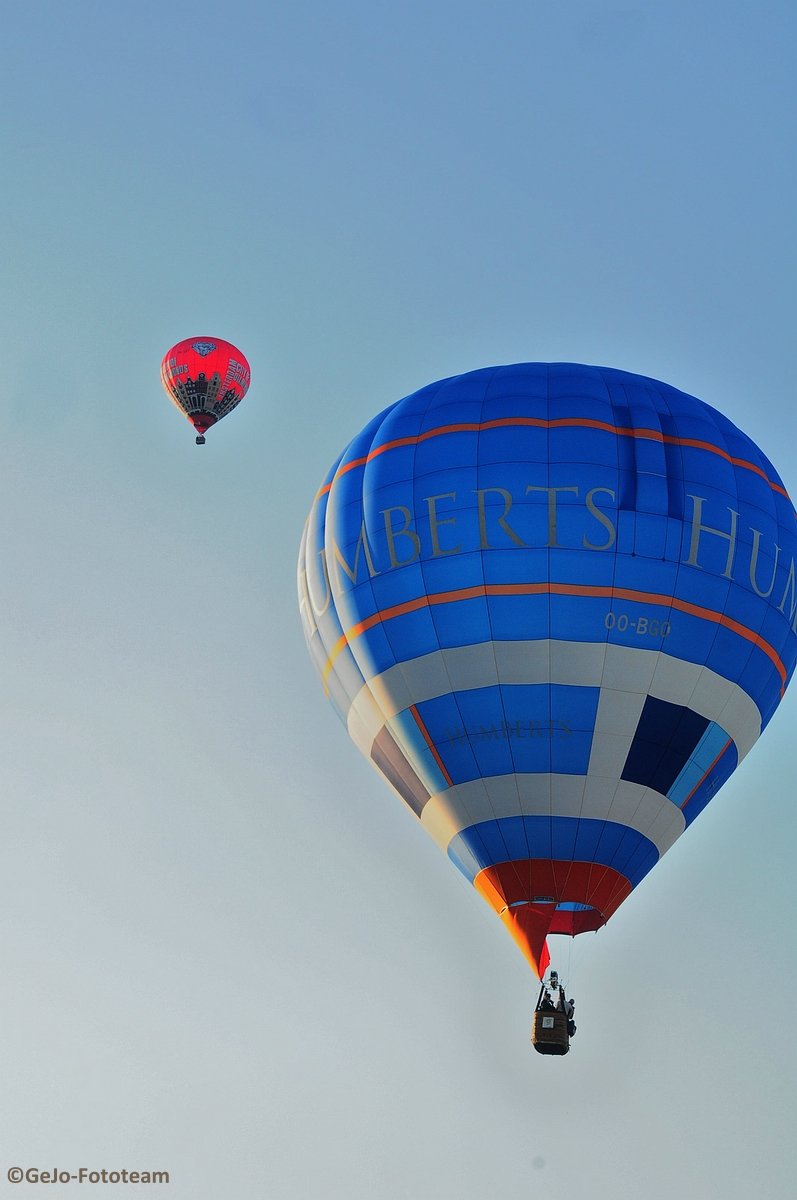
(228,952)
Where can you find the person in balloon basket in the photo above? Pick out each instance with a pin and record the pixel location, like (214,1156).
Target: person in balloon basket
(563,1005)
(570,1006)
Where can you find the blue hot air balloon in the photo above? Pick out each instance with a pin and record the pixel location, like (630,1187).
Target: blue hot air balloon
(555,606)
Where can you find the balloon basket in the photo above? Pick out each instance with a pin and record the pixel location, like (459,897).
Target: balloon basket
(549,1032)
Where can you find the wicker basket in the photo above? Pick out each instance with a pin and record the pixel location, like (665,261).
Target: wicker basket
(549,1032)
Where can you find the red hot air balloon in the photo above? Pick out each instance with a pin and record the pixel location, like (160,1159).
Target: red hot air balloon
(205,377)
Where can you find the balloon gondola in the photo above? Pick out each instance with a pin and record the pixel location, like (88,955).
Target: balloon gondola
(554,1019)
(206,378)
(555,606)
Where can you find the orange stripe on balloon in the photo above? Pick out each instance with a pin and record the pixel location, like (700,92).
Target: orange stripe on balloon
(653,435)
(428,739)
(554,589)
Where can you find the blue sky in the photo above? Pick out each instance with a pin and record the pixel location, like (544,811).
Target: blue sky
(227,952)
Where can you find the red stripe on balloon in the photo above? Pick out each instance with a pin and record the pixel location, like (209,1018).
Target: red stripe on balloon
(430,743)
(652,435)
(483,590)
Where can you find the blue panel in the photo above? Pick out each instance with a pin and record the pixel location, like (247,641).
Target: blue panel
(442,575)
(534,728)
(409,737)
(514,618)
(462,623)
(390,588)
(703,757)
(652,494)
(711,784)
(640,574)
(579,618)
(515,566)
(374,653)
(626,523)
(410,635)
(372,435)
(513,444)
(560,838)
(448,449)
(583,567)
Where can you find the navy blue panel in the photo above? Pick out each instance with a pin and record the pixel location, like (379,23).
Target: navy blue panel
(663,743)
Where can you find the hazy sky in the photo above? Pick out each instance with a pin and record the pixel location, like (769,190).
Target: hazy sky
(227,950)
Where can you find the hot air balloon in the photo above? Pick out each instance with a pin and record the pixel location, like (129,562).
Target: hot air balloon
(555,606)
(205,378)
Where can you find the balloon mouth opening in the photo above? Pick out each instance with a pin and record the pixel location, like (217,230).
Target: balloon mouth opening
(533,906)
(202,421)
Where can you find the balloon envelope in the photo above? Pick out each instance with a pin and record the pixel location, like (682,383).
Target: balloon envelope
(205,378)
(555,606)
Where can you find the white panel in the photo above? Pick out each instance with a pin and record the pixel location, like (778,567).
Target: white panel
(599,793)
(364,721)
(566,795)
(579,663)
(640,808)
(523,662)
(628,669)
(390,690)
(608,754)
(675,680)
(711,693)
(717,699)
(647,811)
(471,667)
(740,718)
(447,813)
(631,803)
(667,827)
(410,682)
(504,794)
(619,712)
